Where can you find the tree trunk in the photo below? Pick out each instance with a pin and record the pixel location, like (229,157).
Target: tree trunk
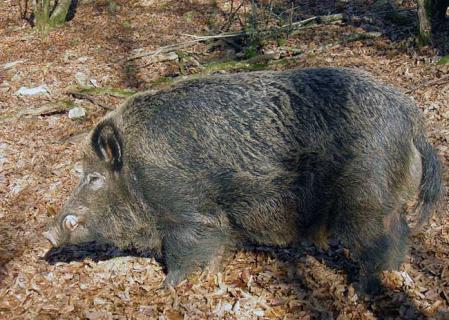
(42,15)
(431,14)
(58,17)
(45,20)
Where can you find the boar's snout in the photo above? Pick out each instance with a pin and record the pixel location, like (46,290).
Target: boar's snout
(51,237)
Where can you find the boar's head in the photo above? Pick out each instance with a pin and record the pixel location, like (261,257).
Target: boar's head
(98,205)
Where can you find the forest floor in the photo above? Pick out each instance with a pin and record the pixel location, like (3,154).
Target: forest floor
(39,148)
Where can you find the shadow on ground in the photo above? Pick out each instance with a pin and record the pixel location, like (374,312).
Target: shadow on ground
(397,24)
(388,304)
(92,250)
(11,246)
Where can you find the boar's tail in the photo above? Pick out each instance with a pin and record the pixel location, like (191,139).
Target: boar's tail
(431,186)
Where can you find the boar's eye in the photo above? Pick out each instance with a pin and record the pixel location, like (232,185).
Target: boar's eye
(95,180)
(70,222)
(78,169)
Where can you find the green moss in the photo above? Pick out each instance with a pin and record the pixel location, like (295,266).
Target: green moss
(162,81)
(443,60)
(116,92)
(233,66)
(281,42)
(282,62)
(429,7)
(398,18)
(74,42)
(189,16)
(211,68)
(112,7)
(67,104)
(424,38)
(127,25)
(250,52)
(181,54)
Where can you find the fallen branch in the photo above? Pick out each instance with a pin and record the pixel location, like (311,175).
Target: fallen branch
(45,110)
(98,91)
(257,62)
(361,36)
(216,36)
(299,53)
(79,95)
(307,23)
(296,25)
(75,138)
(165,49)
(162,57)
(430,83)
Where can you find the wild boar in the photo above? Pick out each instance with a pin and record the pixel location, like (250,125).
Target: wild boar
(268,158)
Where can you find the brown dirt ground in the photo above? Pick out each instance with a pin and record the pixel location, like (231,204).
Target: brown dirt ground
(37,154)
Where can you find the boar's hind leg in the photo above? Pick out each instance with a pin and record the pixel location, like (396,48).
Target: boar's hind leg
(370,222)
(188,247)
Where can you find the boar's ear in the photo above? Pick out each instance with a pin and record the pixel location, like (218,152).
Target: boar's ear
(107,144)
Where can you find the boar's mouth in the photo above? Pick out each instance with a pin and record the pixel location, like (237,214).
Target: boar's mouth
(51,237)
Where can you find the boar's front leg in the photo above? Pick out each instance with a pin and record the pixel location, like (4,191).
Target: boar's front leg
(187,247)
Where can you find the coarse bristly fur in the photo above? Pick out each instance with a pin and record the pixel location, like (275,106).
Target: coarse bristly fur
(266,158)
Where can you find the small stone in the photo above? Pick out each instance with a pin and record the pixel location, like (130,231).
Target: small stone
(12,64)
(227,307)
(24,91)
(408,282)
(69,55)
(4,86)
(81,78)
(99,301)
(274,54)
(259,313)
(147,3)
(236,308)
(97,315)
(77,113)
(446,115)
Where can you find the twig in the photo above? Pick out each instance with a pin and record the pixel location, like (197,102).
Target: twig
(361,36)
(169,48)
(290,49)
(75,137)
(389,11)
(216,36)
(232,15)
(79,95)
(169,56)
(429,83)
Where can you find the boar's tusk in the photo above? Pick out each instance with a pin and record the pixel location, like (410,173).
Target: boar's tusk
(71,222)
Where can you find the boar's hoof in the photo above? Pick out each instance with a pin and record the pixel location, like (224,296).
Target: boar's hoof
(370,286)
(173,278)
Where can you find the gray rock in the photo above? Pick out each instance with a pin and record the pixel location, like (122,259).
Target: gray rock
(77,113)
(24,91)
(81,78)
